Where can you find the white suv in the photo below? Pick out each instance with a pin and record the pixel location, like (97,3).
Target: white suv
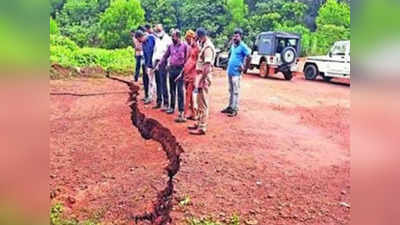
(335,64)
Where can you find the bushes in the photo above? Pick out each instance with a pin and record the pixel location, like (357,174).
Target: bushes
(335,13)
(65,52)
(54,27)
(58,40)
(306,37)
(78,20)
(333,24)
(326,35)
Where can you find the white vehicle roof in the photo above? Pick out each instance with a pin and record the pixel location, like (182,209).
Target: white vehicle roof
(343,42)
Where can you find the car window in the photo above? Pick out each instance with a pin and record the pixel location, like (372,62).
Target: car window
(265,45)
(266,41)
(292,42)
(283,43)
(339,49)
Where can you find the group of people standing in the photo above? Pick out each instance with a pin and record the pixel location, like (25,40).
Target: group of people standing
(172,67)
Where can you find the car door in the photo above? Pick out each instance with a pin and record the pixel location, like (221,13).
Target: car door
(336,65)
(347,66)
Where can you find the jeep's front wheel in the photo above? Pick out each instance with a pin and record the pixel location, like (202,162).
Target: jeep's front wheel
(327,79)
(311,72)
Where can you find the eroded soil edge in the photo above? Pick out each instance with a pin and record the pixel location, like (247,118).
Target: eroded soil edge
(152,129)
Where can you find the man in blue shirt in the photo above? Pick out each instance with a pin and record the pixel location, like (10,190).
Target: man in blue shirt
(238,56)
(149,42)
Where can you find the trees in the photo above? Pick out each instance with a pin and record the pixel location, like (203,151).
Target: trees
(162,11)
(78,20)
(210,14)
(334,13)
(269,15)
(56,6)
(117,22)
(238,11)
(107,23)
(54,27)
(333,24)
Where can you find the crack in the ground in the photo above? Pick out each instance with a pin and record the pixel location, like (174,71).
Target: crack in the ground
(152,129)
(87,95)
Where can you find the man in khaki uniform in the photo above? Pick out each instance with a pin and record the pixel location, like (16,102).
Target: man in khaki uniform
(203,81)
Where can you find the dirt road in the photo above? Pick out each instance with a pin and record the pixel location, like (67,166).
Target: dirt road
(285,159)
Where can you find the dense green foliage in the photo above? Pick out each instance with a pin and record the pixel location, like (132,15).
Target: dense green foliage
(78,20)
(117,22)
(238,11)
(107,23)
(54,27)
(334,13)
(274,15)
(333,23)
(66,53)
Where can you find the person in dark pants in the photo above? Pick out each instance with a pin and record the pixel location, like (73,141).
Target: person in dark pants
(148,49)
(176,85)
(162,92)
(163,40)
(177,54)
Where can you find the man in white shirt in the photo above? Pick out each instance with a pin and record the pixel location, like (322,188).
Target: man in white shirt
(163,40)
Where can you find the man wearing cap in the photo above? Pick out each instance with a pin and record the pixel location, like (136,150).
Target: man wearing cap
(238,55)
(203,81)
(189,74)
(176,55)
(163,40)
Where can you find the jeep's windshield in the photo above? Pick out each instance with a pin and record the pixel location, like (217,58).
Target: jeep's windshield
(339,49)
(264,45)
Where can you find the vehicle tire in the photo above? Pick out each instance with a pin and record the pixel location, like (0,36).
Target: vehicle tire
(327,79)
(247,65)
(288,55)
(216,60)
(288,75)
(311,72)
(263,69)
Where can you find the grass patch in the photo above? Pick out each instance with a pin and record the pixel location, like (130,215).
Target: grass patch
(234,220)
(68,54)
(57,218)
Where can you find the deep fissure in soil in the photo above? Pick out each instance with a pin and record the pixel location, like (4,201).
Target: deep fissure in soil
(152,129)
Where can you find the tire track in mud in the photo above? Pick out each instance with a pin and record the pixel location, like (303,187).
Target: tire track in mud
(152,129)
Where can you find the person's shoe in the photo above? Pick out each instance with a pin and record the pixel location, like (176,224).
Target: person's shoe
(147,101)
(193,127)
(197,132)
(158,106)
(164,108)
(227,110)
(233,113)
(191,118)
(170,111)
(181,118)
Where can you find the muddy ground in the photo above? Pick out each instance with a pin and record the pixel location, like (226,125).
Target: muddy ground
(285,159)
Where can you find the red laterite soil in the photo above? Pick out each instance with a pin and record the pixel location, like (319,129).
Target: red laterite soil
(285,159)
